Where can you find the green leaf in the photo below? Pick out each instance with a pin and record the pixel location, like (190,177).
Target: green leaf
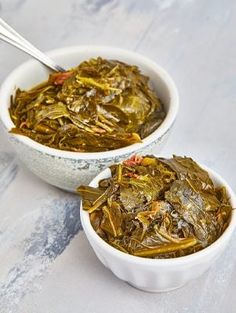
(110,104)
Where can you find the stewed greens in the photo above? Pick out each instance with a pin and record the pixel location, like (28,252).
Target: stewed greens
(100,105)
(157,208)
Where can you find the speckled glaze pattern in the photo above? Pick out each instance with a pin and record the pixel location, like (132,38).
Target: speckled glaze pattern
(67,173)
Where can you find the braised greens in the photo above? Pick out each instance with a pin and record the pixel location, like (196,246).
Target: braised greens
(98,106)
(157,208)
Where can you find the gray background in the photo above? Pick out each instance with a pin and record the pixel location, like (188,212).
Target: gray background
(46,263)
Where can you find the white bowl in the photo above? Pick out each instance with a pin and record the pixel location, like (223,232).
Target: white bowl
(66,169)
(158,275)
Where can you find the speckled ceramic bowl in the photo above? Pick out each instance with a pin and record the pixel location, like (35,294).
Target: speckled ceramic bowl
(158,275)
(65,169)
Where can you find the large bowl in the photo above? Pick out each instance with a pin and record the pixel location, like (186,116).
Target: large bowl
(65,169)
(158,275)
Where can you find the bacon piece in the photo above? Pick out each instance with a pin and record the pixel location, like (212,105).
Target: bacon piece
(59,78)
(134,160)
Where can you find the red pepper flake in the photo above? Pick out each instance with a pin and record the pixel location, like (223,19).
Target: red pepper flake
(132,175)
(59,78)
(134,160)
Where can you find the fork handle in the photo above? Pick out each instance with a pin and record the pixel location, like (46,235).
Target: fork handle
(9,35)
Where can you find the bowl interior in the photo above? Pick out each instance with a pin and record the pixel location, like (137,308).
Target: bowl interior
(218,181)
(32,72)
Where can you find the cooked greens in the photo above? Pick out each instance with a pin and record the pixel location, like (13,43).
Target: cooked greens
(157,208)
(100,105)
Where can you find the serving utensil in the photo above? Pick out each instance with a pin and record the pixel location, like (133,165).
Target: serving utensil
(9,35)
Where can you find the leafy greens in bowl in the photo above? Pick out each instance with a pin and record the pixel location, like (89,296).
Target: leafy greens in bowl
(69,169)
(100,105)
(163,216)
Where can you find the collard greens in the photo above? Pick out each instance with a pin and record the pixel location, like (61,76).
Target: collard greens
(98,106)
(157,208)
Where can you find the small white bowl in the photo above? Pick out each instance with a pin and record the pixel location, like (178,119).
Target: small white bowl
(66,169)
(158,275)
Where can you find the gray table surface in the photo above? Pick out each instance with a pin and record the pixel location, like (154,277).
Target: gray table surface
(46,263)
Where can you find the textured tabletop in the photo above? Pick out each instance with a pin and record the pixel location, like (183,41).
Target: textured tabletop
(46,263)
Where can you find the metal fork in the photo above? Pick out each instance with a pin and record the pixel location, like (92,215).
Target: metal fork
(9,35)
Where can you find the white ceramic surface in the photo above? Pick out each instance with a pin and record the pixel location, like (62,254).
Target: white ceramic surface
(158,275)
(68,170)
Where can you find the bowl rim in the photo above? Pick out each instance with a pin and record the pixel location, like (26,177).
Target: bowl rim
(188,259)
(158,133)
